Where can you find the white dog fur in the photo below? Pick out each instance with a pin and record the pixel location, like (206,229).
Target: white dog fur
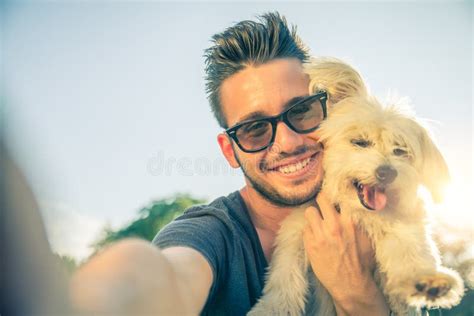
(361,136)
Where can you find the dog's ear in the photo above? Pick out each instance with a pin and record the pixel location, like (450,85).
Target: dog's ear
(336,77)
(434,170)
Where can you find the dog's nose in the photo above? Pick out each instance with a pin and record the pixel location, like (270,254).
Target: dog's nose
(386,174)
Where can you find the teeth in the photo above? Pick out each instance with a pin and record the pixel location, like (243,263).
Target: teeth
(294,167)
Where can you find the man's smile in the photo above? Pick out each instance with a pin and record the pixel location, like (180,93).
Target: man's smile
(296,166)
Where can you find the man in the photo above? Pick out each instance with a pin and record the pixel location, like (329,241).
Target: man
(212,259)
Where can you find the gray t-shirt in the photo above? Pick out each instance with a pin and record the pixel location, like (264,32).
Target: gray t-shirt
(223,233)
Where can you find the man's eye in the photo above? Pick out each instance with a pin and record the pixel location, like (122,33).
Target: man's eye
(400,152)
(361,143)
(300,109)
(256,128)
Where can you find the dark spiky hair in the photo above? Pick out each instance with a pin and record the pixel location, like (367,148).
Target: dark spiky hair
(244,44)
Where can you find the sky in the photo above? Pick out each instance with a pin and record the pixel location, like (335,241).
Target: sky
(106,109)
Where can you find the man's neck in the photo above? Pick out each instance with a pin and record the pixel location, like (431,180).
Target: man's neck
(264,214)
(266,218)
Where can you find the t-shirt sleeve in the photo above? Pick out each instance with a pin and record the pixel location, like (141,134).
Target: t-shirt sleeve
(204,233)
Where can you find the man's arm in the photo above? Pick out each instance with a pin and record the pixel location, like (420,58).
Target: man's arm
(133,277)
(342,257)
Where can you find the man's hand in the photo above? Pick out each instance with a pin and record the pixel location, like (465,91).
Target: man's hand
(342,258)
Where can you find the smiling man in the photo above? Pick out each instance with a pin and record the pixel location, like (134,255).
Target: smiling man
(282,167)
(212,260)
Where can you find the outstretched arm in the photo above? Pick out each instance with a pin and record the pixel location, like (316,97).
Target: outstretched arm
(134,277)
(342,258)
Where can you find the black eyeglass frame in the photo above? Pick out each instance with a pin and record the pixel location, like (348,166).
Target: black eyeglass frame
(282,117)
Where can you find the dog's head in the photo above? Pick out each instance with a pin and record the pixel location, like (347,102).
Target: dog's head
(378,156)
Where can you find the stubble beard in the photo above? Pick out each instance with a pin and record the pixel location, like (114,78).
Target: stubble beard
(272,195)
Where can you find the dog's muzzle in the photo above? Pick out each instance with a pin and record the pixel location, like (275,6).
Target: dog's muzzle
(373,197)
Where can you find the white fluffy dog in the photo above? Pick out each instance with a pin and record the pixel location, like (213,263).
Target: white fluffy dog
(375,159)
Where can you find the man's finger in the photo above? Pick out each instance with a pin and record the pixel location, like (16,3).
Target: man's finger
(314,218)
(308,237)
(328,211)
(307,233)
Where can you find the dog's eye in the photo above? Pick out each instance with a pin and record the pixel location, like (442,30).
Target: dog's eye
(399,152)
(361,143)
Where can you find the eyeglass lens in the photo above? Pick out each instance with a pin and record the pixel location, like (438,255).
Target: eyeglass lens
(302,118)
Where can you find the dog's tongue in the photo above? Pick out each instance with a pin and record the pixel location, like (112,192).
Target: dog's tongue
(374,197)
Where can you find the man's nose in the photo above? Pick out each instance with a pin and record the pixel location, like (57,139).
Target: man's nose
(286,139)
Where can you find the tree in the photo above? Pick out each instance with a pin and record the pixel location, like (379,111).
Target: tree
(150,220)
(68,263)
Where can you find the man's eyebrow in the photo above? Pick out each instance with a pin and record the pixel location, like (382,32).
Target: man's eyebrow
(293,101)
(260,114)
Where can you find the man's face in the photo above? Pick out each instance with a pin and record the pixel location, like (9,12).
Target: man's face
(289,172)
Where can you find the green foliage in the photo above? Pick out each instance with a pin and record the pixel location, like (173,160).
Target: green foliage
(150,220)
(69,264)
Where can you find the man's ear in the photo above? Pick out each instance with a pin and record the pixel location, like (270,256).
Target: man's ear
(225,143)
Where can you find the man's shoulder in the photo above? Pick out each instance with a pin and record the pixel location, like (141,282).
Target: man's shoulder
(213,229)
(225,216)
(226,208)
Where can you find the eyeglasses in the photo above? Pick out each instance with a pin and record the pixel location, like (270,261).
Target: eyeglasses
(303,117)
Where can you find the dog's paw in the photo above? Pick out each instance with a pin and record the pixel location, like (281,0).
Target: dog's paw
(433,287)
(441,289)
